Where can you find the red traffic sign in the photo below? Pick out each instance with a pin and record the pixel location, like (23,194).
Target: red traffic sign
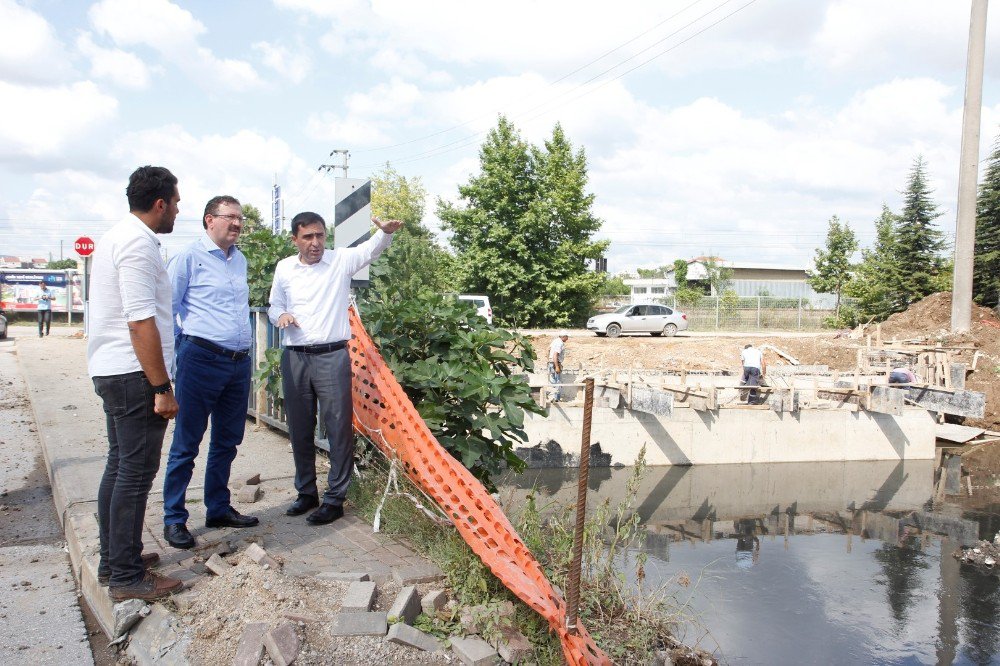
(84,246)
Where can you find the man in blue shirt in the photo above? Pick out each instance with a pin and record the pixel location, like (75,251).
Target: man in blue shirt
(211,301)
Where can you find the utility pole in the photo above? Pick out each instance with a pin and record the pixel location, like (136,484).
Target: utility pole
(968,174)
(345,156)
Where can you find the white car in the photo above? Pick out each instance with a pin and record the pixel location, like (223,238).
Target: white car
(653,319)
(3,326)
(482,304)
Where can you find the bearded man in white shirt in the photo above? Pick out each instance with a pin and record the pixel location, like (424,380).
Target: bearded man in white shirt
(309,300)
(128,352)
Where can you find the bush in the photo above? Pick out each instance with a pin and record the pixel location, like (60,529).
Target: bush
(461,374)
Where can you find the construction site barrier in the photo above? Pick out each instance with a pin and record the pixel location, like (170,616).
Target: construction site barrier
(384,414)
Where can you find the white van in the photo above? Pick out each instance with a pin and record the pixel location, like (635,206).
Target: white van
(482,304)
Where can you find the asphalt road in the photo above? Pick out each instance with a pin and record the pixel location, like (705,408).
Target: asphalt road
(39,611)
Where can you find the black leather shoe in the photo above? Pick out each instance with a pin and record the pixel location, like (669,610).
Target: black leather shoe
(177,535)
(327,513)
(302,504)
(231,518)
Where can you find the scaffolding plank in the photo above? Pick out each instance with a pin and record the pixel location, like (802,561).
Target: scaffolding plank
(652,401)
(958,402)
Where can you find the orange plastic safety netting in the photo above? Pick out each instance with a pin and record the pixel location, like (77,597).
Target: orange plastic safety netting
(384,414)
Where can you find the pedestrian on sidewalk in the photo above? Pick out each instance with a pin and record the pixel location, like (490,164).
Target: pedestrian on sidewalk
(309,303)
(45,299)
(754,368)
(128,353)
(557,352)
(211,300)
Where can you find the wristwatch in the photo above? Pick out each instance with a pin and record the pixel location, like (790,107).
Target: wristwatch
(162,388)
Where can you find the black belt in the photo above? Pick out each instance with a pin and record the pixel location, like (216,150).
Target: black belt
(222,351)
(317,349)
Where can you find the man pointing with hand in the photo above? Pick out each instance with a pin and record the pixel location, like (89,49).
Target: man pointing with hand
(309,300)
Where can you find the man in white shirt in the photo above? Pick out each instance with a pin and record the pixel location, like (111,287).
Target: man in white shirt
(754,368)
(131,342)
(309,300)
(557,352)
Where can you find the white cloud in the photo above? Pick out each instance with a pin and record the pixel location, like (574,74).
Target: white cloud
(294,66)
(370,116)
(30,52)
(120,67)
(39,123)
(173,32)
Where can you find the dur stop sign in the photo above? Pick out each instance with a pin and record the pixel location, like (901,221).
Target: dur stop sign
(84,246)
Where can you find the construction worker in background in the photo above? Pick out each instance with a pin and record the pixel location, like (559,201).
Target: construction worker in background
(902,375)
(557,351)
(754,367)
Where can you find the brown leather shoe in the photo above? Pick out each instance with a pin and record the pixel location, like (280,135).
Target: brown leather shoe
(150,588)
(149,560)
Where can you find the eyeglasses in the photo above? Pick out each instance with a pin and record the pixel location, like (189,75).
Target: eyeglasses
(231,217)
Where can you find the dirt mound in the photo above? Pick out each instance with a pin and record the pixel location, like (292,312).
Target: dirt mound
(931,318)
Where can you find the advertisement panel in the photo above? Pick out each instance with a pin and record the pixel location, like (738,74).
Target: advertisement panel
(19,289)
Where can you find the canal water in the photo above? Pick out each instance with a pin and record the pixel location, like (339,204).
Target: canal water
(818,563)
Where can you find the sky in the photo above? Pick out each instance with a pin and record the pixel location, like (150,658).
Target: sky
(732,128)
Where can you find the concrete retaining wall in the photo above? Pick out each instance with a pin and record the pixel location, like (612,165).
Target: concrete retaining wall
(690,437)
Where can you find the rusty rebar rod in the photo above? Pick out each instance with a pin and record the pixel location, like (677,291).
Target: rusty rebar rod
(573,595)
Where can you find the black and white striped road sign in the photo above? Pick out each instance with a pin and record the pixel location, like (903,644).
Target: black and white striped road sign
(352,218)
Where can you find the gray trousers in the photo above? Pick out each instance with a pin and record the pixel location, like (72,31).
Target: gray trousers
(326,378)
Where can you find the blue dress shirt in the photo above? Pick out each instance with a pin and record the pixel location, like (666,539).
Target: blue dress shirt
(211,298)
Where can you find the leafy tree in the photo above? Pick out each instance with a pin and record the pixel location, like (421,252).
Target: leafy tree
(253,218)
(462,375)
(263,251)
(653,273)
(986,271)
(524,235)
(720,277)
(615,286)
(414,261)
(918,242)
(680,274)
(61,264)
(833,265)
(877,283)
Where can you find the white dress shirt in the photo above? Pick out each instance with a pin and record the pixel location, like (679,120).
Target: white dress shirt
(128,282)
(557,351)
(317,294)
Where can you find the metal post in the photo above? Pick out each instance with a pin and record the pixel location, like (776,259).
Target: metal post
(800,313)
(965,226)
(716,313)
(758,313)
(573,596)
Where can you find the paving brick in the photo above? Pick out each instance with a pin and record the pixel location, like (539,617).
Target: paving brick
(406,607)
(359,598)
(417,573)
(404,634)
(514,648)
(260,556)
(248,494)
(251,480)
(433,601)
(251,646)
(358,624)
(217,565)
(349,576)
(474,651)
(282,644)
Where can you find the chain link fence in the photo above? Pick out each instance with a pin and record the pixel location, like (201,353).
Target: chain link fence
(734,313)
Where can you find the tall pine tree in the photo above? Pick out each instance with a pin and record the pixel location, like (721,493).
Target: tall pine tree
(918,242)
(876,283)
(986,271)
(523,236)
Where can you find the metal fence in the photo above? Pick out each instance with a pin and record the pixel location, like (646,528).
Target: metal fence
(755,313)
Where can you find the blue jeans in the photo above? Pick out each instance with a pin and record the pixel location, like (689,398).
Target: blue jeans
(206,385)
(135,438)
(555,378)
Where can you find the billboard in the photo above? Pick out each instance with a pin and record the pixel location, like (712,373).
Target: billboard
(19,289)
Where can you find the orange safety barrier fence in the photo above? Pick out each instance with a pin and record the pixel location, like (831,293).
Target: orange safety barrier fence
(384,413)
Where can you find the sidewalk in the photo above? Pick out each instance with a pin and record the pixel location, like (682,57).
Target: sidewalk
(71,427)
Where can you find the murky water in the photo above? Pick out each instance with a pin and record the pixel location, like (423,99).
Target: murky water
(820,563)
